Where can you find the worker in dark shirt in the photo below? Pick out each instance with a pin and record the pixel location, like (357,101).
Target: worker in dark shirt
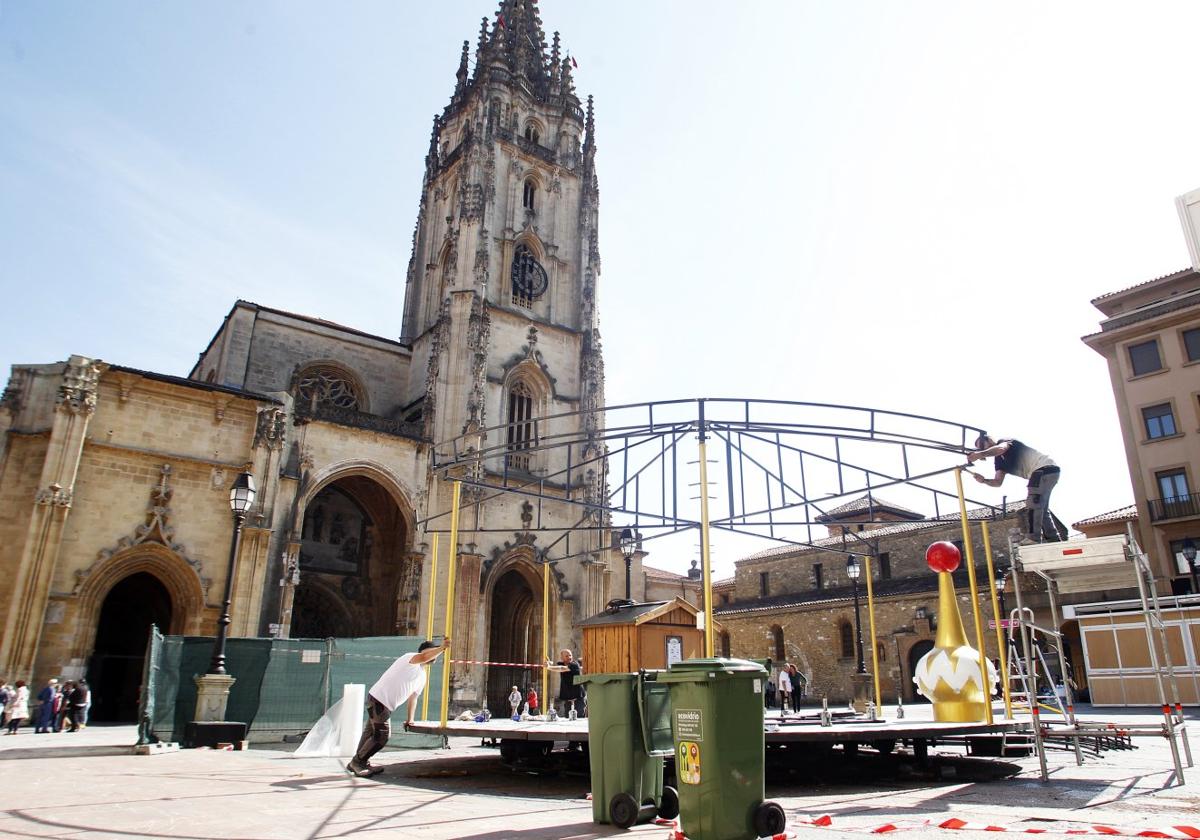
(1012,456)
(567,689)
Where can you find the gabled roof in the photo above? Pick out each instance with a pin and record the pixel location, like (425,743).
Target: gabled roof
(1124,514)
(620,613)
(975,515)
(869,504)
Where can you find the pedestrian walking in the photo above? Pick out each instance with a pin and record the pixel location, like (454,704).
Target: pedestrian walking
(784,687)
(45,712)
(18,709)
(401,683)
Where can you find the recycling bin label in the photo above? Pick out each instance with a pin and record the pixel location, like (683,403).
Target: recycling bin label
(689,725)
(688,765)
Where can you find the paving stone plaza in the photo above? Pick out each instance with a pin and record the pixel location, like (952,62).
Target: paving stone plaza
(90,785)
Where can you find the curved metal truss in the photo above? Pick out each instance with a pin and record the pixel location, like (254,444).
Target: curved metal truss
(775,469)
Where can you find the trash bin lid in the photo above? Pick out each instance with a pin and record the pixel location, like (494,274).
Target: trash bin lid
(699,669)
(601,679)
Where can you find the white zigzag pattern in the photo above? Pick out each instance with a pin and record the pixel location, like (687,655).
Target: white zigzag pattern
(956,672)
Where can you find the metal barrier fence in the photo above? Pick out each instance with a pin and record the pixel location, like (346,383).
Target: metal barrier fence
(282,688)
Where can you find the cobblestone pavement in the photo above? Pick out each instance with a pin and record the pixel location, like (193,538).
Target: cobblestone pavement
(88,785)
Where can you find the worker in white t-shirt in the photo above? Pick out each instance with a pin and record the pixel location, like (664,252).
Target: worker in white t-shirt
(401,683)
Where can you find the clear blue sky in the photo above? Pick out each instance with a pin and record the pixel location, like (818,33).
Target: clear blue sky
(906,206)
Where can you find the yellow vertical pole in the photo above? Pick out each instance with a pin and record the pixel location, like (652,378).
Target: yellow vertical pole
(429,621)
(970,560)
(987,548)
(545,635)
(454,504)
(705,553)
(871,616)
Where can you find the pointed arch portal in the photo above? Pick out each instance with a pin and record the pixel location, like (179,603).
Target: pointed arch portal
(123,629)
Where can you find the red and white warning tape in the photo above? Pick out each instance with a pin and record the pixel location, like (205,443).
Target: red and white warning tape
(502,664)
(1184,832)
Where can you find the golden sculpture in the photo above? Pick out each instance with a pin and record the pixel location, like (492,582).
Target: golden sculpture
(949,674)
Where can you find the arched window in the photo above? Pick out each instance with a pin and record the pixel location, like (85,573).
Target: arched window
(531,133)
(327,386)
(777,634)
(846,633)
(725,644)
(527,200)
(520,426)
(881,651)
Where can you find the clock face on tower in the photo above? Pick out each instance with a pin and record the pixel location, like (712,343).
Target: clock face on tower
(529,279)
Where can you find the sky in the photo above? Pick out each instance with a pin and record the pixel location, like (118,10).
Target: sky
(903,206)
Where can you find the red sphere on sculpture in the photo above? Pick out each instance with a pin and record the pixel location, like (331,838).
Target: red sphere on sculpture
(943,556)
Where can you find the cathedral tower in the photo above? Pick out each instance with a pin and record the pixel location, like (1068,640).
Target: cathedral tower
(500,312)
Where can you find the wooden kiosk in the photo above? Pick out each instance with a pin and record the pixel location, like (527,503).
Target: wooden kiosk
(627,637)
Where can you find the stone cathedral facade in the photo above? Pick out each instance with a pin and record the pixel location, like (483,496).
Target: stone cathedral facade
(114,480)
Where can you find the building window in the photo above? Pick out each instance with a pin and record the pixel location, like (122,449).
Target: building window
(1173,485)
(880,651)
(527,200)
(520,426)
(531,133)
(818,576)
(1191,344)
(764,584)
(1144,358)
(777,637)
(1182,566)
(885,565)
(724,597)
(846,633)
(1160,421)
(324,386)
(724,644)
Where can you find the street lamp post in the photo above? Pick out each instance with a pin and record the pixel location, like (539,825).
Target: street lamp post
(1189,554)
(241,497)
(1001,583)
(628,546)
(853,570)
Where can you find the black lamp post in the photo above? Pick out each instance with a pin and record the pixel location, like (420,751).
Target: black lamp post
(628,546)
(1001,583)
(1189,554)
(241,497)
(853,570)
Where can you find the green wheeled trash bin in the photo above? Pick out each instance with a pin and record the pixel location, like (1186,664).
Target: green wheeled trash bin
(717,722)
(629,735)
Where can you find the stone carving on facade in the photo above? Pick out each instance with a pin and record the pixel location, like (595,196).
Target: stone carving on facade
(220,403)
(13,398)
(479,331)
(157,529)
(522,539)
(529,354)
(81,380)
(55,495)
(440,337)
(270,428)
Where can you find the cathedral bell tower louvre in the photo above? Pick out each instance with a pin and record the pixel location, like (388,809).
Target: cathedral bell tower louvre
(500,311)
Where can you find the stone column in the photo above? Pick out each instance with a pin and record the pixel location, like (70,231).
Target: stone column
(75,404)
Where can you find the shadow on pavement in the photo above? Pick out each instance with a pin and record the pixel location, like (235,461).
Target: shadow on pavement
(65,751)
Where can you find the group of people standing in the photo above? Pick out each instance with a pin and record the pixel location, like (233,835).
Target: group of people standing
(58,709)
(791,687)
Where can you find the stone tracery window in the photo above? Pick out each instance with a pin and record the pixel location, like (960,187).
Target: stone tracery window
(325,385)
(520,426)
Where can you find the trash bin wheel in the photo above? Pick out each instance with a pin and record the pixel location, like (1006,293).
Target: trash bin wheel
(623,810)
(668,806)
(769,819)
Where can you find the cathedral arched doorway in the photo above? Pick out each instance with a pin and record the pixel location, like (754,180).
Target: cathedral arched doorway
(115,669)
(514,637)
(358,574)
(914,656)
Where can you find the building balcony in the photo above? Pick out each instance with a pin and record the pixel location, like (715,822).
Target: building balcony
(1174,507)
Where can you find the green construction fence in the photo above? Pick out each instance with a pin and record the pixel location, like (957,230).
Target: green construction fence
(282,688)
